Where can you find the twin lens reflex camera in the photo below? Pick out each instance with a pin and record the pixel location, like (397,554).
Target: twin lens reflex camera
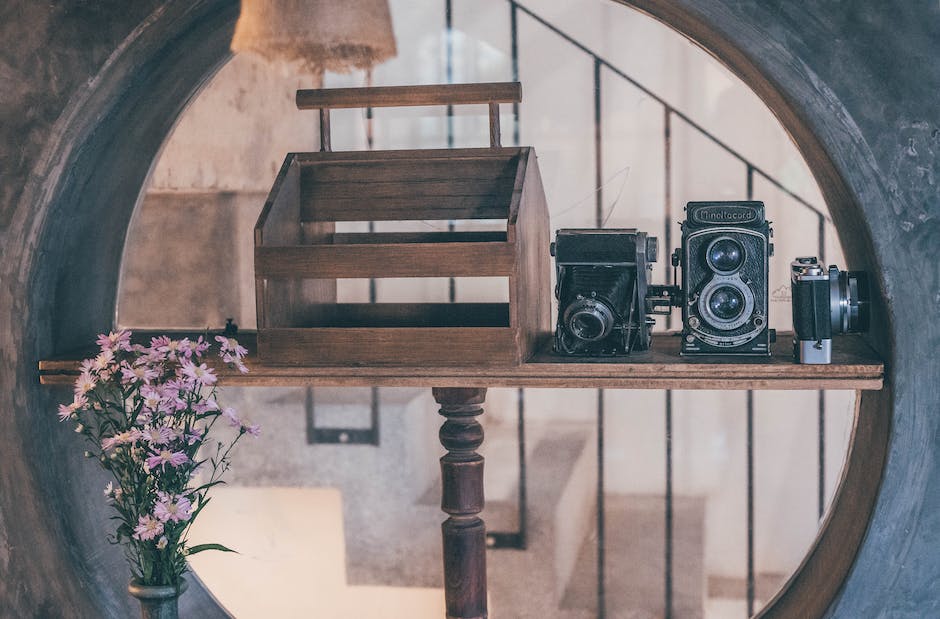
(725,279)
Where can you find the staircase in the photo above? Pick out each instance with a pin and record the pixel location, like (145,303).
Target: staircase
(354,530)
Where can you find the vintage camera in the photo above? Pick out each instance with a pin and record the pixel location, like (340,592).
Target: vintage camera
(602,286)
(724,258)
(826,302)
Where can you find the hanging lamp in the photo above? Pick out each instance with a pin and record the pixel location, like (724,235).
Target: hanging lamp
(317,35)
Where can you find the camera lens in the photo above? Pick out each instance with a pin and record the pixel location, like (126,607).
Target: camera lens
(587,326)
(849,301)
(725,255)
(589,320)
(726,303)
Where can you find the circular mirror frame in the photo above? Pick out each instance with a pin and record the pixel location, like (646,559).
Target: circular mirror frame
(65,241)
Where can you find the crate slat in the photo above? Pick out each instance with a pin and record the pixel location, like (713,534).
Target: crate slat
(393,260)
(345,315)
(406,96)
(420,346)
(368,238)
(404,208)
(431,188)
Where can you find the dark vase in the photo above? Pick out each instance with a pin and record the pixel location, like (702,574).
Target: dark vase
(158,602)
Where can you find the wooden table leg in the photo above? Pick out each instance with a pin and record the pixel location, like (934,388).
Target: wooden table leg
(464,532)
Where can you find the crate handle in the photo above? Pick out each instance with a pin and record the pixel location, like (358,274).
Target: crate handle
(491,94)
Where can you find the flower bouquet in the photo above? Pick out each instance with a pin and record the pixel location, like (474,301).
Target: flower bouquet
(148,413)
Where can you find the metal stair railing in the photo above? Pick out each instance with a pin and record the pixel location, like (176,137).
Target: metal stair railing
(751,170)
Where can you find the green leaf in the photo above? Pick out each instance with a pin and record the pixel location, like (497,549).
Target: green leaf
(209,485)
(200,547)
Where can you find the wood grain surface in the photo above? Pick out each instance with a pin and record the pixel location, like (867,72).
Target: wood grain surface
(486,259)
(408,96)
(855,366)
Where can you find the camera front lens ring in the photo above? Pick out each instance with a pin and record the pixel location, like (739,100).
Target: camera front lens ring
(589,320)
(849,301)
(725,255)
(726,303)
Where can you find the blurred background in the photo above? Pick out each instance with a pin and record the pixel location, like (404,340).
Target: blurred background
(637,503)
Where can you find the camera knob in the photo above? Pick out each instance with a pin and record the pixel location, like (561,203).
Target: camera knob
(551,249)
(652,249)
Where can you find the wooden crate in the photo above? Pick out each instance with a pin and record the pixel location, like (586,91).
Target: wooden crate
(299,256)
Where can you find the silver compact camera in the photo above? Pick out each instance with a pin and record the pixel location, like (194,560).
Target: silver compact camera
(826,302)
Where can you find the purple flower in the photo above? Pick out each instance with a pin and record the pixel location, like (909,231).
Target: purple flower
(142,372)
(147,528)
(200,346)
(198,373)
(231,345)
(103,361)
(84,383)
(176,509)
(122,438)
(165,347)
(189,348)
(253,429)
(195,435)
(66,410)
(164,457)
(230,413)
(171,393)
(157,435)
(152,399)
(236,361)
(232,352)
(205,406)
(115,341)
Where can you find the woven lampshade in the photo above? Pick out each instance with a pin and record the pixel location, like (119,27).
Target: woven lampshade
(318,35)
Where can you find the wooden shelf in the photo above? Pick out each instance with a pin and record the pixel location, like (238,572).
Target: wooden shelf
(855,366)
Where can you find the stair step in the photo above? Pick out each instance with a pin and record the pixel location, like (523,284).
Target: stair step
(562,477)
(635,559)
(297,546)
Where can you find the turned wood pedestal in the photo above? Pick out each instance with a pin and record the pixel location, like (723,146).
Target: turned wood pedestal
(464,533)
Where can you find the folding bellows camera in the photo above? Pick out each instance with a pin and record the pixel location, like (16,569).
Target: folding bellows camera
(603,291)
